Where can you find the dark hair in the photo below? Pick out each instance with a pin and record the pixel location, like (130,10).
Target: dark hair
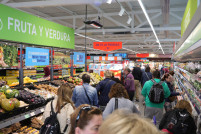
(118,90)
(128,69)
(171,73)
(86,78)
(156,74)
(147,69)
(165,76)
(84,118)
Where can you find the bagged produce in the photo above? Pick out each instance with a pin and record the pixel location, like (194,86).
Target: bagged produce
(16,102)
(7,104)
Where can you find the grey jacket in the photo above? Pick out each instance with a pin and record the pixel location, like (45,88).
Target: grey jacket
(123,103)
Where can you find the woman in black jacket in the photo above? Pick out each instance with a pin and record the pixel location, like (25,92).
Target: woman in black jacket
(179,120)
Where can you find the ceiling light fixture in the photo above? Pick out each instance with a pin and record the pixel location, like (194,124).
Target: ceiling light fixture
(93,23)
(109,1)
(129,20)
(121,11)
(149,21)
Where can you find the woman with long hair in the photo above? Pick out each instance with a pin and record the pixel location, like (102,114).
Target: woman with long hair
(63,98)
(119,97)
(86,119)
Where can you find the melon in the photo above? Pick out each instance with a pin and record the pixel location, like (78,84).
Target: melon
(7,104)
(16,93)
(16,102)
(9,93)
(2,96)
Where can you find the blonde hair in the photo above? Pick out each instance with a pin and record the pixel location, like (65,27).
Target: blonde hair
(185,105)
(108,74)
(122,122)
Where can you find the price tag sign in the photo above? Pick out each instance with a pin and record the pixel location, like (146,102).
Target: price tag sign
(26,116)
(42,110)
(32,114)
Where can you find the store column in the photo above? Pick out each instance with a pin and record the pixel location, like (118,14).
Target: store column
(71,63)
(51,69)
(21,68)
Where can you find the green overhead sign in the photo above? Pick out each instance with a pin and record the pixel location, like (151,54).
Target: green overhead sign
(188,14)
(19,26)
(191,40)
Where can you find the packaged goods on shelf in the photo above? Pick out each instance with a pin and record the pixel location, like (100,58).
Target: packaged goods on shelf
(47,87)
(41,92)
(11,129)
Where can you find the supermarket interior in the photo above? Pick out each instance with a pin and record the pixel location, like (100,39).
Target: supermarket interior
(47,43)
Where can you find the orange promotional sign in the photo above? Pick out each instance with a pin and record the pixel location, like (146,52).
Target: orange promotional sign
(142,55)
(107,46)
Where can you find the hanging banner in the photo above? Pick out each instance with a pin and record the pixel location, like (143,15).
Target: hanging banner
(107,46)
(36,56)
(79,58)
(19,26)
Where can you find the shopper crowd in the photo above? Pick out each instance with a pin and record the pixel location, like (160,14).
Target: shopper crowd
(111,108)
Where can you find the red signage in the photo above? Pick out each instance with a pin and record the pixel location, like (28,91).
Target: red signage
(107,46)
(142,55)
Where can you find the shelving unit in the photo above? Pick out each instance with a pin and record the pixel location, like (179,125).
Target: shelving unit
(193,103)
(21,117)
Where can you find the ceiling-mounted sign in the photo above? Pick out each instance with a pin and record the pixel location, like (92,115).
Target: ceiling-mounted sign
(36,56)
(107,46)
(144,55)
(188,14)
(19,26)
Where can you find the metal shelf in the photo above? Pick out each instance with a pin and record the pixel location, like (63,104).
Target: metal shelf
(191,85)
(21,117)
(185,71)
(197,108)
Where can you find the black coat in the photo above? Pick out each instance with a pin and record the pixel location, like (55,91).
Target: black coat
(191,127)
(137,73)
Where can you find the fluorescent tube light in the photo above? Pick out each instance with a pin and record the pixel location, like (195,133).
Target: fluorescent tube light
(121,11)
(129,20)
(109,1)
(149,21)
(87,37)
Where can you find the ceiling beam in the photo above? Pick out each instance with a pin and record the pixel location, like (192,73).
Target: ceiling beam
(128,30)
(53,3)
(179,9)
(45,16)
(5,1)
(145,22)
(165,7)
(176,16)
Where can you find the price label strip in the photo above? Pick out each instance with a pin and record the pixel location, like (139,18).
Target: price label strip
(26,116)
(32,114)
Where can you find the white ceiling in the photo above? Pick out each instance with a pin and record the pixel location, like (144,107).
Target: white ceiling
(166,16)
